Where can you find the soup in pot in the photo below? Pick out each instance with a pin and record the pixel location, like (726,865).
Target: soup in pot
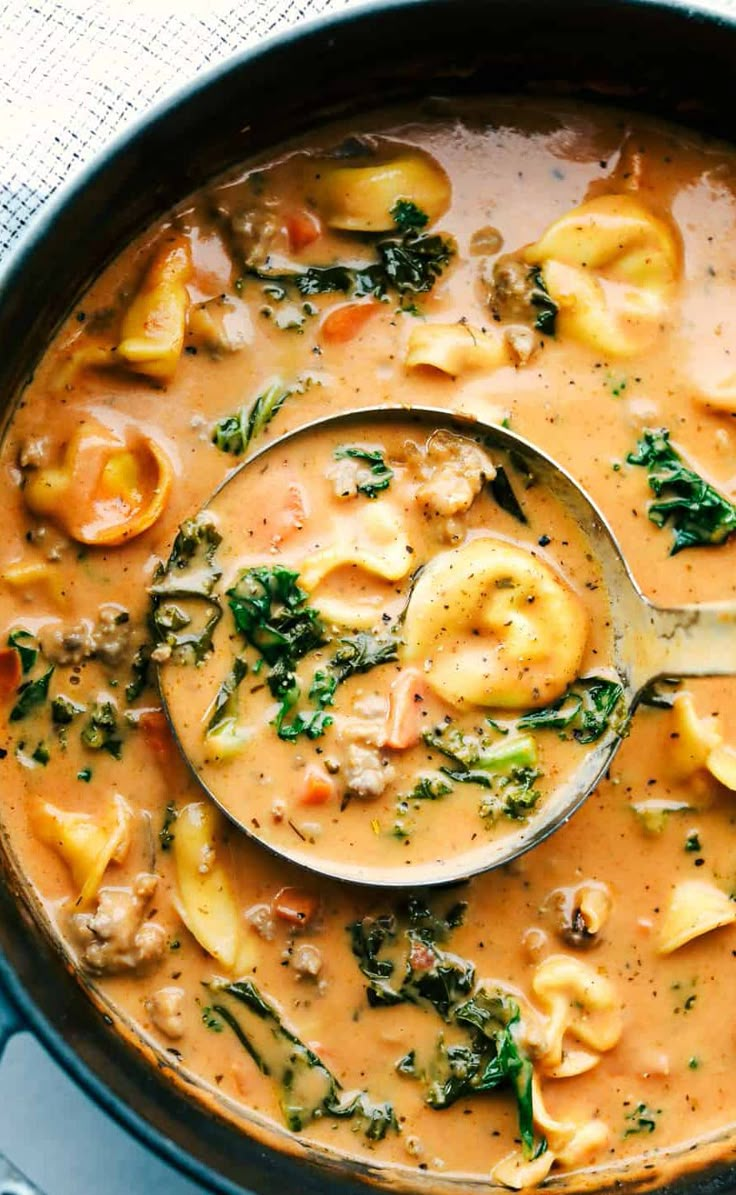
(391,641)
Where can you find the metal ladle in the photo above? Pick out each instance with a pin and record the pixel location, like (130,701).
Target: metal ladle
(648,643)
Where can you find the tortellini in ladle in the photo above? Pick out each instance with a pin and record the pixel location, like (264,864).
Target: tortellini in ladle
(611,266)
(498,626)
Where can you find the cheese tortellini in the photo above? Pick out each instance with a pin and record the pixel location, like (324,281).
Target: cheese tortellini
(377,548)
(108,487)
(360,194)
(698,745)
(457,349)
(88,844)
(496,626)
(581,1002)
(207,901)
(611,266)
(694,908)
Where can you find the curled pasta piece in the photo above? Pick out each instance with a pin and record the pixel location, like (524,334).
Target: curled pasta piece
(379,549)
(611,266)
(499,626)
(695,907)
(456,349)
(153,327)
(698,744)
(222,325)
(569,1144)
(107,489)
(86,843)
(207,903)
(360,194)
(578,1001)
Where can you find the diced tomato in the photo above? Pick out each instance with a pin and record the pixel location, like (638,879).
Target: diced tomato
(303,228)
(346,321)
(421,957)
(317,787)
(10,671)
(156,731)
(404,723)
(295,906)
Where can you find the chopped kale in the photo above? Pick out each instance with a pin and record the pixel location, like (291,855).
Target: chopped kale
(540,298)
(166,834)
(376,477)
(102,732)
(26,646)
(235,433)
(307,1088)
(589,708)
(504,495)
(270,611)
(406,214)
(642,1119)
(507,769)
(492,1056)
(140,668)
(430,788)
(64,710)
(184,610)
(85,775)
(407,264)
(360,653)
(30,695)
(223,703)
(698,514)
(41,755)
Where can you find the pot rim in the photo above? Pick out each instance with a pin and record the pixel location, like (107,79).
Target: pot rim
(29,242)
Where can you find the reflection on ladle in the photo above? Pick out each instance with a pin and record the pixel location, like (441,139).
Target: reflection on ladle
(645,643)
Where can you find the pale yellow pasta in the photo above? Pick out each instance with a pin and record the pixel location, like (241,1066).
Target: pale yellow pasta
(569,1143)
(611,266)
(360,196)
(87,844)
(377,548)
(456,349)
(153,328)
(496,627)
(695,907)
(207,902)
(698,744)
(578,1001)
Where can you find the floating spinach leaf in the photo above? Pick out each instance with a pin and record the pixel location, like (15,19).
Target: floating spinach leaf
(26,646)
(699,515)
(376,477)
(235,433)
(184,610)
(540,298)
(140,668)
(307,1088)
(590,707)
(222,707)
(30,695)
(64,710)
(504,495)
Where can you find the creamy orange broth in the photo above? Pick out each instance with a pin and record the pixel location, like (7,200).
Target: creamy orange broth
(360,809)
(660,1067)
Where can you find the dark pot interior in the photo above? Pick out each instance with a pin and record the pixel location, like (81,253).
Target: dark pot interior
(671,60)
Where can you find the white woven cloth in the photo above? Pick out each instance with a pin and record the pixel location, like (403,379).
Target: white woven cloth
(75,72)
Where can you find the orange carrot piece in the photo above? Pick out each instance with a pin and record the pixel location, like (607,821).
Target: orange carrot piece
(317,787)
(404,722)
(10,671)
(295,906)
(303,228)
(346,321)
(156,731)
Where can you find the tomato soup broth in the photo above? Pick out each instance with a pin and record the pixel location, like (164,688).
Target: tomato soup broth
(567,272)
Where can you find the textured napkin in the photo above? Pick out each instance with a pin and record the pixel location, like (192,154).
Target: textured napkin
(75,72)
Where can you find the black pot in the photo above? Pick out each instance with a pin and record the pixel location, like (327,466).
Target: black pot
(671,59)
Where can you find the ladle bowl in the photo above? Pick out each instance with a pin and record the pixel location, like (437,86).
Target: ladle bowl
(648,643)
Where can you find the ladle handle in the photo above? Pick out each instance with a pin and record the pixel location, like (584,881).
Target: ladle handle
(690,641)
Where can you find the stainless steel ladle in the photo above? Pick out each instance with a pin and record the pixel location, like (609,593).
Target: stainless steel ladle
(649,642)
